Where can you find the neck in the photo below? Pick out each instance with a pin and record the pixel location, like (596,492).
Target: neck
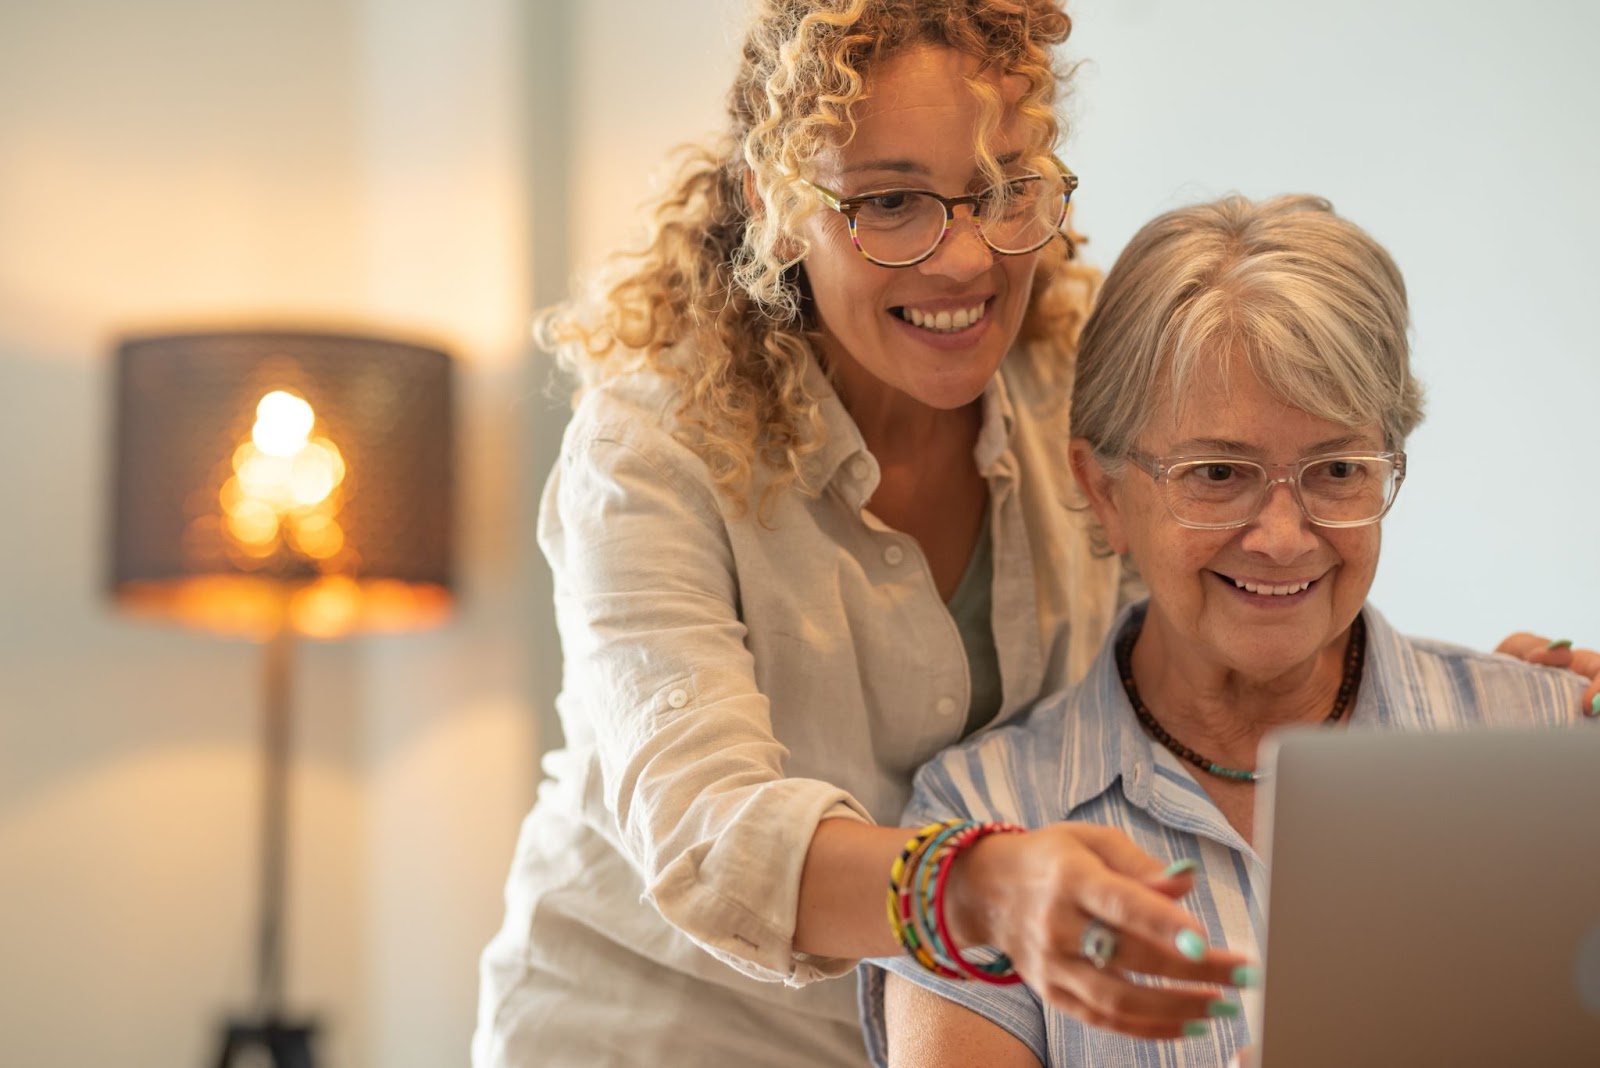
(897,427)
(1221,711)
(900,430)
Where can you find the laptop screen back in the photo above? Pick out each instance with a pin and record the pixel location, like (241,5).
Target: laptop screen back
(1433,899)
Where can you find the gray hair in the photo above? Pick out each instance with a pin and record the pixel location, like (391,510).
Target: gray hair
(1315,305)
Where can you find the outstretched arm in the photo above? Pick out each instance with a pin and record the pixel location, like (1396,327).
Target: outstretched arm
(1030,895)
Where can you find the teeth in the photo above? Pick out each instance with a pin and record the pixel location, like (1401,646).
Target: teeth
(944,322)
(1272,591)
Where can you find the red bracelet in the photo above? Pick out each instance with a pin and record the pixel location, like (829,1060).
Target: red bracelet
(999,970)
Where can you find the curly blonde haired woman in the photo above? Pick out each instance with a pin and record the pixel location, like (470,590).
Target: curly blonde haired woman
(807,529)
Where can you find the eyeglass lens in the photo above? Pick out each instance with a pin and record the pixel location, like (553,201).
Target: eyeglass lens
(904,225)
(1336,489)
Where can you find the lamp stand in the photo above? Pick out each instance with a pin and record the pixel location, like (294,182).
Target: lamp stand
(287,1044)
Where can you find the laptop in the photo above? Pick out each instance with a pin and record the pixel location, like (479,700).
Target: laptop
(1433,899)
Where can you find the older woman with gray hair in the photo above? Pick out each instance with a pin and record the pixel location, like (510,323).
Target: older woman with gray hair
(1242,401)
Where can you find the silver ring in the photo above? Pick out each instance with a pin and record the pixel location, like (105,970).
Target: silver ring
(1098,944)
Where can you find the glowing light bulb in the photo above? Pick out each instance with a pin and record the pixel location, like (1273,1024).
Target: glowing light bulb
(253,524)
(283,424)
(267,478)
(313,473)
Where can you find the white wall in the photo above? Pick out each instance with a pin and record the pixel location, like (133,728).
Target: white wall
(647,77)
(1461,133)
(348,162)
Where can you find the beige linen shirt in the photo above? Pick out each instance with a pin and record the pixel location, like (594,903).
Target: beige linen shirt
(730,680)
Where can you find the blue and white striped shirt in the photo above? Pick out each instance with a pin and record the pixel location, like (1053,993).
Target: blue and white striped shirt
(1083,756)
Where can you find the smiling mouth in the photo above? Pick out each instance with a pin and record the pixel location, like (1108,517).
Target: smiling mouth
(942,322)
(1269,589)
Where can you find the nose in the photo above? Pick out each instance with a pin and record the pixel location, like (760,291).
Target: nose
(963,254)
(1282,531)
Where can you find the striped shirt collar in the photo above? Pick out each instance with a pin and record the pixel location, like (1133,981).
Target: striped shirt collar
(1102,741)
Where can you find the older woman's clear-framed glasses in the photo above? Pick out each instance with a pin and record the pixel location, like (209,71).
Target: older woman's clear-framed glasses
(903,227)
(1221,492)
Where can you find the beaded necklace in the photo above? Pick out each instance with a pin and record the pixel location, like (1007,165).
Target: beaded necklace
(1355,655)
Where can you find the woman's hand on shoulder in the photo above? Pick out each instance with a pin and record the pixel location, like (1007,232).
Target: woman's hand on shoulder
(1033,895)
(1561,654)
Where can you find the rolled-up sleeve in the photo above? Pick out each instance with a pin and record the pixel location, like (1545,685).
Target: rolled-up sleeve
(658,668)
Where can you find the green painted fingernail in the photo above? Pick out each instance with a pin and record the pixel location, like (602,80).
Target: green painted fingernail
(1594,706)
(1247,976)
(1222,1010)
(1179,867)
(1191,944)
(1196,1028)
(1560,643)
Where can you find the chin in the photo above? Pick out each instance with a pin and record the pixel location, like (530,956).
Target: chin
(956,387)
(1272,654)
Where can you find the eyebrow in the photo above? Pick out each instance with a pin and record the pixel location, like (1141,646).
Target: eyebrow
(910,166)
(1230,447)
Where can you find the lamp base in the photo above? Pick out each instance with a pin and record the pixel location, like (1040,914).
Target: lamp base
(286,1045)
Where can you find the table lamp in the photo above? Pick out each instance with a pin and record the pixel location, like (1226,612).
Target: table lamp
(280,484)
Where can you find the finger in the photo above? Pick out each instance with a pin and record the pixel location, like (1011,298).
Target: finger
(1559,657)
(1063,1000)
(1178,879)
(1112,995)
(1130,870)
(1119,852)
(1521,643)
(1586,662)
(1106,1006)
(1135,910)
(1218,966)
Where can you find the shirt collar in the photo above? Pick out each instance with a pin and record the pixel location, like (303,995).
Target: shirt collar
(999,420)
(843,441)
(1102,740)
(1390,660)
(841,438)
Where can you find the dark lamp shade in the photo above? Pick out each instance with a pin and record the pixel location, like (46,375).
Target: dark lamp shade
(279,479)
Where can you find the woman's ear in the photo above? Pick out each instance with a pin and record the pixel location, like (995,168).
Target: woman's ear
(1097,486)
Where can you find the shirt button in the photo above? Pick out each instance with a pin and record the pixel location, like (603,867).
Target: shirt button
(678,698)
(860,469)
(893,555)
(946,706)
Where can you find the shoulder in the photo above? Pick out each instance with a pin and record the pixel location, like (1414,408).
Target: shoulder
(1039,400)
(626,429)
(1454,683)
(637,406)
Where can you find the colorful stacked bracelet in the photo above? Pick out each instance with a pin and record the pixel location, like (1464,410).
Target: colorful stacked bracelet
(916,900)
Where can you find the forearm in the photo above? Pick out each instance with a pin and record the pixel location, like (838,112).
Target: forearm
(842,890)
